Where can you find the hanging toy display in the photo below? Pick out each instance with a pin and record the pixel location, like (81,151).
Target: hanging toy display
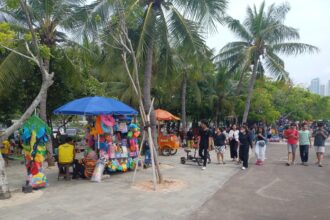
(116,139)
(34,134)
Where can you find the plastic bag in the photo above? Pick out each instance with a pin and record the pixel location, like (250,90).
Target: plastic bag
(98,171)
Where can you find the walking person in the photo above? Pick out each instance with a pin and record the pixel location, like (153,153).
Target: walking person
(220,144)
(233,142)
(320,135)
(260,149)
(205,141)
(305,141)
(245,143)
(292,137)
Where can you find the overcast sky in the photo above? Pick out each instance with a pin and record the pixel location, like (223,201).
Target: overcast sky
(311,18)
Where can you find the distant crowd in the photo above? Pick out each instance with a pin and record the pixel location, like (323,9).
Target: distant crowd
(240,139)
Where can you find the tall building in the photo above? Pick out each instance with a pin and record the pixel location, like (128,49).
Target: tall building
(315,86)
(322,90)
(328,89)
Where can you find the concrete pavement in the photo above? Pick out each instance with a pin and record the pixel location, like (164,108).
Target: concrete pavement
(115,198)
(273,191)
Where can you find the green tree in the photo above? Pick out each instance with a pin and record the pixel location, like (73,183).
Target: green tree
(263,37)
(48,18)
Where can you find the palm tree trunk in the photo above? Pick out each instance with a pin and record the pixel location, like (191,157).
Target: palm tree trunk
(43,102)
(147,87)
(250,90)
(43,114)
(147,104)
(217,112)
(183,106)
(239,85)
(4,188)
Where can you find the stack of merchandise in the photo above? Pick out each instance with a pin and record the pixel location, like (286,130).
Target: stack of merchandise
(34,133)
(116,138)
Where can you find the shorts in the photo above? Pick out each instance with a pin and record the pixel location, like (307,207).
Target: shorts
(4,156)
(319,149)
(292,148)
(220,149)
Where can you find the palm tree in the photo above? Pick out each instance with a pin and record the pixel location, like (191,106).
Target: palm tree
(173,24)
(263,36)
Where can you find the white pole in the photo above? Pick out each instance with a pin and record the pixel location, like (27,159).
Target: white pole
(139,158)
(152,146)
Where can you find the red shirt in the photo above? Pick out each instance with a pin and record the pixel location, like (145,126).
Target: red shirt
(292,136)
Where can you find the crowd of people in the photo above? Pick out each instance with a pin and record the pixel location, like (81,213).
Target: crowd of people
(240,139)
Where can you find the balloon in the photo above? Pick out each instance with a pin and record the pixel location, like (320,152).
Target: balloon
(129,134)
(136,134)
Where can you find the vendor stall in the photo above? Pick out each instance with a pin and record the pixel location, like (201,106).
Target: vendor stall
(168,143)
(112,134)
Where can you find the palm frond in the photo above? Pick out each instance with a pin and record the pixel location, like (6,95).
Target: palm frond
(294,48)
(235,26)
(206,12)
(13,68)
(275,65)
(146,31)
(185,33)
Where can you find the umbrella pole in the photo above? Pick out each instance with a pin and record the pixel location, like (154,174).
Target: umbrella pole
(98,144)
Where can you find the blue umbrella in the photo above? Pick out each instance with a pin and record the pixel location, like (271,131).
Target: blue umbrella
(95,106)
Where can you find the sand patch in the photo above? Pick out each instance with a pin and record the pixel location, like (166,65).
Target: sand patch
(168,185)
(21,198)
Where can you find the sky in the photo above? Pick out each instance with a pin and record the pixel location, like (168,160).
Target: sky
(310,17)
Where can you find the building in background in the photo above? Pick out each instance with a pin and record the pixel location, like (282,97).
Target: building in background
(322,90)
(315,86)
(328,88)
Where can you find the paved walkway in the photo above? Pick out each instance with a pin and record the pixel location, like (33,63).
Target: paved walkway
(273,192)
(114,198)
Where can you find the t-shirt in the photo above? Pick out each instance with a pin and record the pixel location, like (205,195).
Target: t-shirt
(259,138)
(204,138)
(219,139)
(233,135)
(190,135)
(292,136)
(245,139)
(319,139)
(304,137)
(5,148)
(66,153)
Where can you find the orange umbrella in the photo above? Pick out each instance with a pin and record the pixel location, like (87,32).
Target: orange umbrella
(162,115)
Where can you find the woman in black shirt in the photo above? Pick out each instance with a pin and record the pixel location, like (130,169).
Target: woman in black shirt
(245,142)
(220,144)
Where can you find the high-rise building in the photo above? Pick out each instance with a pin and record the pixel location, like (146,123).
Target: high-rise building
(322,90)
(315,86)
(328,89)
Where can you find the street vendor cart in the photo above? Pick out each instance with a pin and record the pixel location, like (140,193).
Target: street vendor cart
(168,143)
